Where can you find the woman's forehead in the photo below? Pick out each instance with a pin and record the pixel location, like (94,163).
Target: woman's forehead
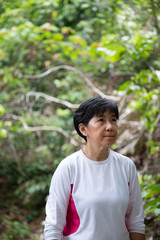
(107,112)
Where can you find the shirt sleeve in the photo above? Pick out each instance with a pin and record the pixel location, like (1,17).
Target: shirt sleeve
(134,215)
(57,203)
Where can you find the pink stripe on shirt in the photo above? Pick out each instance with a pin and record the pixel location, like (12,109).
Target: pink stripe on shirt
(72,218)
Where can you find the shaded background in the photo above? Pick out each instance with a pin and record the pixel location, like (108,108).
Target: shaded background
(54,54)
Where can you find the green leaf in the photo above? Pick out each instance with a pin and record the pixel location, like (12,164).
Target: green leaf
(3,133)
(2,110)
(153,202)
(57,36)
(157,212)
(155,188)
(63,112)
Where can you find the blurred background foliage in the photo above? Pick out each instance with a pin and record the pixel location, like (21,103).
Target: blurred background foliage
(54,54)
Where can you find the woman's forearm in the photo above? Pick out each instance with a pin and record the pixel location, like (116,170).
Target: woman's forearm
(136,236)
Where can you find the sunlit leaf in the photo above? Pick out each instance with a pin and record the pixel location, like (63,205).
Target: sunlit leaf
(2,110)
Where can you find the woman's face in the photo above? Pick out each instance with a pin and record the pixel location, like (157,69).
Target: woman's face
(102,130)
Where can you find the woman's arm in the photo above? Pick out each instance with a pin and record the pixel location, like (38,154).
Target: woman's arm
(136,236)
(134,215)
(57,203)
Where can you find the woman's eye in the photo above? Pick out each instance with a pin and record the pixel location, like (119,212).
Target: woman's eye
(114,120)
(100,120)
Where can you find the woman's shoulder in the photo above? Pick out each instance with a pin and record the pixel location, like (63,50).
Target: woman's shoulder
(66,167)
(70,160)
(124,163)
(122,159)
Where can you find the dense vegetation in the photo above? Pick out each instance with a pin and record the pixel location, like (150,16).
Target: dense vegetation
(53,55)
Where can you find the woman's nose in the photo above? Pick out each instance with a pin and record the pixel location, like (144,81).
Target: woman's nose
(108,125)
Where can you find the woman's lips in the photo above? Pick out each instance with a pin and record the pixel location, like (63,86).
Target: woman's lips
(109,136)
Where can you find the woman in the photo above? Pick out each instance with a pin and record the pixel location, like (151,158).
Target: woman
(95,193)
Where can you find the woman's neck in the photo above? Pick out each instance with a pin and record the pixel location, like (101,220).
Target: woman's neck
(99,154)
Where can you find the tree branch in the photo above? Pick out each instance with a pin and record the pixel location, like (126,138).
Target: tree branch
(44,128)
(119,74)
(49,128)
(84,77)
(130,123)
(51,99)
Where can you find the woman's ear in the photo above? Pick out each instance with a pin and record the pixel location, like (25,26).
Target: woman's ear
(82,129)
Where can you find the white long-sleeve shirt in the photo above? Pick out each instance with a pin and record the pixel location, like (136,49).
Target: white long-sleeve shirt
(94,200)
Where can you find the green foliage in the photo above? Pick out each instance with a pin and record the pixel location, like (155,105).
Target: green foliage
(151,194)
(2,110)
(154,146)
(146,94)
(144,86)
(14,230)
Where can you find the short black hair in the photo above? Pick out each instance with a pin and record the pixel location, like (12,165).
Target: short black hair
(90,108)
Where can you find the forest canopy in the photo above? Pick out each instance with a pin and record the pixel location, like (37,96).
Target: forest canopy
(54,54)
